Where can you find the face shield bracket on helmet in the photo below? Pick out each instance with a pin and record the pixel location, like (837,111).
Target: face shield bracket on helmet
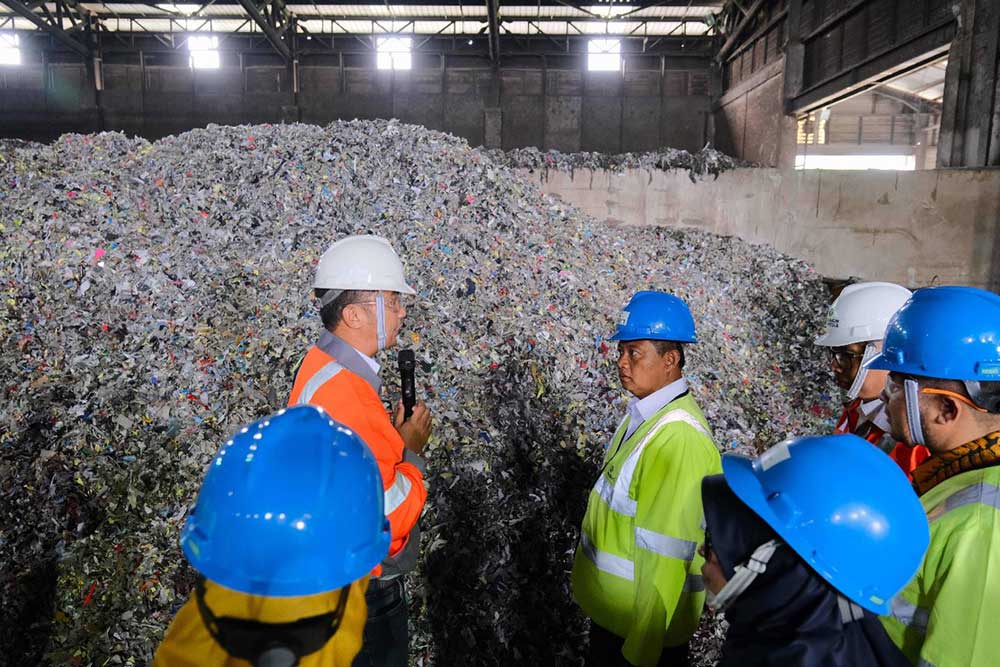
(871,351)
(911,391)
(380,320)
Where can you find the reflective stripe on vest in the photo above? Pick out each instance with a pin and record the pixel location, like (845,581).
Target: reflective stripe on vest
(983,493)
(319,378)
(925,663)
(617,496)
(396,494)
(849,611)
(665,545)
(605,562)
(917,618)
(694,583)
(658,543)
(909,614)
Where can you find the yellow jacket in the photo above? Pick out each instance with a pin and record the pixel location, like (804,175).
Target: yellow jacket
(188,643)
(637,572)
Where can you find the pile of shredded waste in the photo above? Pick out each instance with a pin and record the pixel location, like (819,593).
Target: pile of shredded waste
(704,163)
(156,296)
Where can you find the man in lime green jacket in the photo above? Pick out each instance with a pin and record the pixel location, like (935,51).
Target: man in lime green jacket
(942,351)
(637,572)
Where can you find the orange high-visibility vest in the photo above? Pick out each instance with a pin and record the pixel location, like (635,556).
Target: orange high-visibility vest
(339,387)
(907,458)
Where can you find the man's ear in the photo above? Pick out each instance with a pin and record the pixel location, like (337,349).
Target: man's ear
(946,410)
(672,358)
(352,316)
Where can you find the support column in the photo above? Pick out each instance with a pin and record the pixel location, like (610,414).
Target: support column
(970,117)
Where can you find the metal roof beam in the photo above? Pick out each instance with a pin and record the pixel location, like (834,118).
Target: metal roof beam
(56,31)
(636,6)
(272,35)
(632,22)
(493,20)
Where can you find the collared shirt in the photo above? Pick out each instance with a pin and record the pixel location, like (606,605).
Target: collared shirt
(641,409)
(874,411)
(354,361)
(374,365)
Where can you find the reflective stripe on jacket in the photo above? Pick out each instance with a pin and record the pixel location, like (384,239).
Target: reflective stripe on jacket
(907,458)
(350,399)
(947,614)
(637,572)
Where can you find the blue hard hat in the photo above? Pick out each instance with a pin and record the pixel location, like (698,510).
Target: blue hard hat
(948,333)
(843,506)
(290,506)
(656,316)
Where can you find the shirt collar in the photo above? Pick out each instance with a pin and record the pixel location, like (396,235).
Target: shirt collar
(642,409)
(875,411)
(868,408)
(374,365)
(351,359)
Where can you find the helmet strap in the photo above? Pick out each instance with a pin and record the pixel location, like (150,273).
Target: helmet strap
(271,644)
(744,576)
(871,351)
(380,319)
(911,390)
(329,297)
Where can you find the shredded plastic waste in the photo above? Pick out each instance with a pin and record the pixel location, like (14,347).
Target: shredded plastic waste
(703,163)
(156,296)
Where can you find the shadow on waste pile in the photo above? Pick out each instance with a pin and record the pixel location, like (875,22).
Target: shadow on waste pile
(498,590)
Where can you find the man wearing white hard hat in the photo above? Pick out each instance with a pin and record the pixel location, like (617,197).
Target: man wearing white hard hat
(360,286)
(854,331)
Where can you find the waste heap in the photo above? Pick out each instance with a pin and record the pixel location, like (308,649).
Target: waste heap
(156,296)
(706,162)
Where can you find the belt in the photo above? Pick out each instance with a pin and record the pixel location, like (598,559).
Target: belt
(382,583)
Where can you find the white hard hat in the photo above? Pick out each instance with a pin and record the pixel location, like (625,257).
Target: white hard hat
(861,313)
(361,263)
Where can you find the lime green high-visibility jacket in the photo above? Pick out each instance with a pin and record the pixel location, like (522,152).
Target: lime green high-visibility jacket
(637,572)
(947,614)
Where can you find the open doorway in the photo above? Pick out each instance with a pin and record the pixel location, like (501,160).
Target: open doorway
(893,126)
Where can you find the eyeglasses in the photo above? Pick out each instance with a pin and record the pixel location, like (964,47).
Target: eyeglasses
(894,385)
(843,357)
(396,304)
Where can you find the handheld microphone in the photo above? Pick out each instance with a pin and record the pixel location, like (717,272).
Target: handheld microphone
(407,370)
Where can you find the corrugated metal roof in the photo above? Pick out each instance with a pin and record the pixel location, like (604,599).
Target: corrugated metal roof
(619,28)
(416,11)
(470,19)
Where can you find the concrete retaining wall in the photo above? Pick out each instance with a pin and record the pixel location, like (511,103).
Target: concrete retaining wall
(915,228)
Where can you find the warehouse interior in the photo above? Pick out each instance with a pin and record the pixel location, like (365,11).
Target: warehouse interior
(763,86)
(170,174)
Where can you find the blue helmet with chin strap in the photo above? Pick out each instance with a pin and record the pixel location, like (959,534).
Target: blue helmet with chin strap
(656,316)
(291,505)
(945,333)
(843,506)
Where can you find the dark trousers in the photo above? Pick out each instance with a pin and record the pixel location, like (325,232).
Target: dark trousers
(606,651)
(386,642)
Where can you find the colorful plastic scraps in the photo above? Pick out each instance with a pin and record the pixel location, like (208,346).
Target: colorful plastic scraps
(167,302)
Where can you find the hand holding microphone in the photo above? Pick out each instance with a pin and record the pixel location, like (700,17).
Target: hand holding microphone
(411,418)
(407,371)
